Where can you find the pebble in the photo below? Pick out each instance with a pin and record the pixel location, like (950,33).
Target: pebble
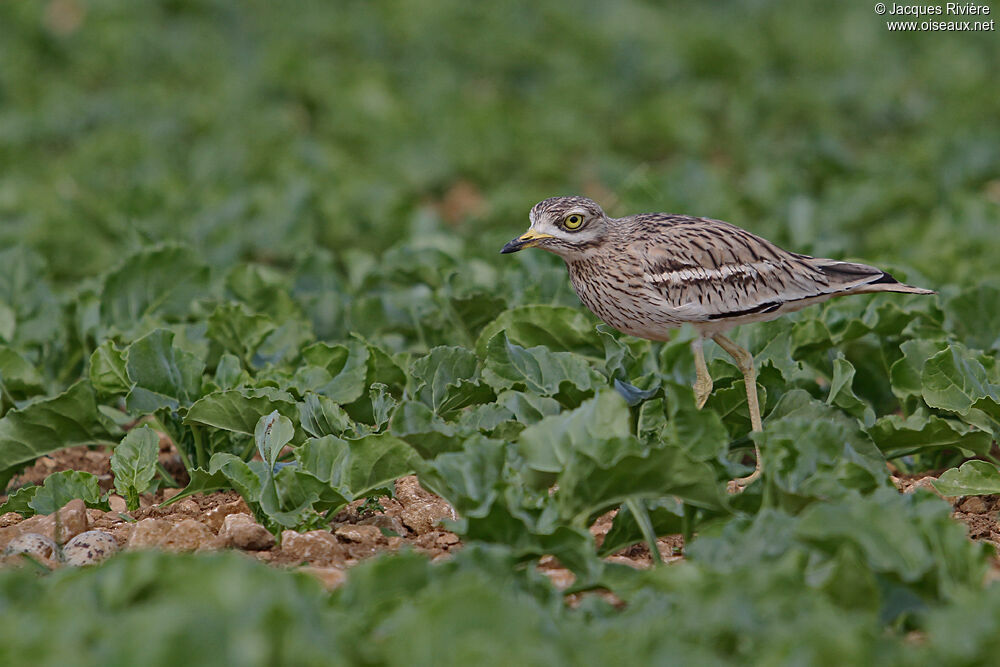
(117,504)
(319,547)
(241,531)
(90,547)
(148,533)
(974,505)
(330,577)
(190,535)
(360,533)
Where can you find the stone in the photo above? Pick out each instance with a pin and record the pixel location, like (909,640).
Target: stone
(189,507)
(360,533)
(421,510)
(241,531)
(73,520)
(148,533)
(10,519)
(90,547)
(170,493)
(216,516)
(190,535)
(974,505)
(117,504)
(318,547)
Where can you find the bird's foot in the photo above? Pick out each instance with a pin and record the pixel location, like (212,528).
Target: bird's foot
(702,390)
(739,484)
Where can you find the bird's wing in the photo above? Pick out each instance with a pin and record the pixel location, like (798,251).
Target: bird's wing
(712,270)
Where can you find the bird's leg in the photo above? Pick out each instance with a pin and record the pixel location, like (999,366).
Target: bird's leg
(703,382)
(744,360)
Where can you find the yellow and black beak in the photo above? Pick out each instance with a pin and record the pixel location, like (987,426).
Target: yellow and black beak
(529,239)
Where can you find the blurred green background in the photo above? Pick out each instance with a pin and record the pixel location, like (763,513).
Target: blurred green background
(255,130)
(259,130)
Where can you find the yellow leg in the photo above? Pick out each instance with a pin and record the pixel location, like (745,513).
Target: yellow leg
(744,360)
(703,382)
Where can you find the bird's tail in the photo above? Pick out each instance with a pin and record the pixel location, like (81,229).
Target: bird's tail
(852,278)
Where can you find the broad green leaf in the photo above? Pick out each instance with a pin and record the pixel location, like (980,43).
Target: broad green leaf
(18,376)
(239,330)
(320,416)
(19,500)
(973,478)
(272,432)
(239,410)
(339,372)
(61,487)
(357,467)
(700,433)
(8,322)
(417,424)
(383,404)
(666,514)
(549,444)
(590,485)
(813,450)
(469,480)
(954,379)
(536,370)
(447,379)
(974,316)
(133,463)
(107,370)
(898,436)
(65,420)
(842,394)
(239,473)
(905,373)
(162,375)
(559,328)
(161,281)
(229,373)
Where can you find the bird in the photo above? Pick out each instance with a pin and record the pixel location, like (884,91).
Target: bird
(648,274)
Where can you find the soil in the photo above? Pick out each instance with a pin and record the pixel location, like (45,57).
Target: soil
(222,520)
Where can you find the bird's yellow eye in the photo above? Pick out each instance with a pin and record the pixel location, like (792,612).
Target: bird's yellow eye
(573,221)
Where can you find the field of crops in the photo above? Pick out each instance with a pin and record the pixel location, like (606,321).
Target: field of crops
(249,270)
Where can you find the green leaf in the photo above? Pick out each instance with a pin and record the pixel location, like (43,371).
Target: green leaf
(238,330)
(229,373)
(842,393)
(954,379)
(19,500)
(905,373)
(162,281)
(897,436)
(239,474)
(320,416)
(134,463)
(666,514)
(447,379)
(536,370)
(549,444)
(973,478)
(973,315)
(162,375)
(68,419)
(558,328)
(107,370)
(61,487)
(273,432)
(812,450)
(18,376)
(700,433)
(239,410)
(357,467)
(339,372)
(417,424)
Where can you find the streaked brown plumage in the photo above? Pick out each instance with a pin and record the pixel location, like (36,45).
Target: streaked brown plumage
(647,274)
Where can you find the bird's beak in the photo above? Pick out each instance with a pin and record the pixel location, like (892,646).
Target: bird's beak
(528,239)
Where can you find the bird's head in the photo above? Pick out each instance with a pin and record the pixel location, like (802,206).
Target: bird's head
(566,226)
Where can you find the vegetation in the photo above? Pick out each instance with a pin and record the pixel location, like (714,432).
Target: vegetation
(254,226)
